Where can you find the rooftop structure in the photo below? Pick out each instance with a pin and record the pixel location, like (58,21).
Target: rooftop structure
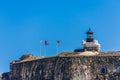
(90,44)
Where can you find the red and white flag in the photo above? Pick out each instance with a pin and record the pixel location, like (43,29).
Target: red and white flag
(41,41)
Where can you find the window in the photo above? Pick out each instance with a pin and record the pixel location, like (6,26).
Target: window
(103,70)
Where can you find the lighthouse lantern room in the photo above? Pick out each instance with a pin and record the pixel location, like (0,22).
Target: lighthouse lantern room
(90,44)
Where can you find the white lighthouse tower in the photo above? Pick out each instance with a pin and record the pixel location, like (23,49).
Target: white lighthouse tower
(90,44)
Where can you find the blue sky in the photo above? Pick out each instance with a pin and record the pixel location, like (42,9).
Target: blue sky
(23,23)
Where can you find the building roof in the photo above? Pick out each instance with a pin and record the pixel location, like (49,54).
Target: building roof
(89,31)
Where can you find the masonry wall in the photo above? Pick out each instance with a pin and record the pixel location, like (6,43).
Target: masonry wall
(68,68)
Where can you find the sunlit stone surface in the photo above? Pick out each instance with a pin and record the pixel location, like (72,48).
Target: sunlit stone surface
(104,66)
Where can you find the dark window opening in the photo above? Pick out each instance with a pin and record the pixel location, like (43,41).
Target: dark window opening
(103,70)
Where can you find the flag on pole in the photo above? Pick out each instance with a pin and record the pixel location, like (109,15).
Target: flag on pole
(59,42)
(57,46)
(41,42)
(47,42)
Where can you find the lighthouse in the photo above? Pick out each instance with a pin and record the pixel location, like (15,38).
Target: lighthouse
(90,44)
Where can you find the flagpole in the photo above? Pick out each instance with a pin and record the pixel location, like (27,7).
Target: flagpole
(40,50)
(46,43)
(56,48)
(41,42)
(44,50)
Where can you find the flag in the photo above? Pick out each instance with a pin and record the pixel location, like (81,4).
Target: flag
(59,42)
(46,42)
(41,41)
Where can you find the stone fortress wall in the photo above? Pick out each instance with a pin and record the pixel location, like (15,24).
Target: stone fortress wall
(99,67)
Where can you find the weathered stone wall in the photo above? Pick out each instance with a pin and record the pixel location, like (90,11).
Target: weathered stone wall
(5,76)
(68,68)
